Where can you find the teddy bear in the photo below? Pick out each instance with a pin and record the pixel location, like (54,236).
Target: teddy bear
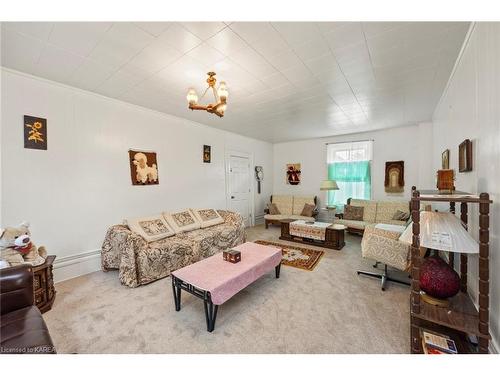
(16,247)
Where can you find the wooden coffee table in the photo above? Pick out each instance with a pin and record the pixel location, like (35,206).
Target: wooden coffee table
(321,234)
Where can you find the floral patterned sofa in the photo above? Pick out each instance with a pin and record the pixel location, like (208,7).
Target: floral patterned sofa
(140,262)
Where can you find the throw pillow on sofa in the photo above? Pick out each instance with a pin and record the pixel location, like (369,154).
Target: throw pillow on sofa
(273,209)
(308,210)
(207,217)
(353,212)
(400,215)
(152,228)
(182,221)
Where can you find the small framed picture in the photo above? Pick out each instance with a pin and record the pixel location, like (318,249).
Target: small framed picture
(465,156)
(35,132)
(207,154)
(445,159)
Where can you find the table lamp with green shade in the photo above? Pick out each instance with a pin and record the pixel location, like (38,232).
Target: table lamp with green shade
(329,185)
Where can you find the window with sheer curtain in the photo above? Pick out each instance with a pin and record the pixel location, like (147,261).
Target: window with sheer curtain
(349,165)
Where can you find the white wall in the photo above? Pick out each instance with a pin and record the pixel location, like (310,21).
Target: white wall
(470,108)
(413,144)
(81,185)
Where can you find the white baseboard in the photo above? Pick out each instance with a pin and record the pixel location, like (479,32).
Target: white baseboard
(259,219)
(76,265)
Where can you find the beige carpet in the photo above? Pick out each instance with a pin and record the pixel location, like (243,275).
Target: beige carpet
(328,310)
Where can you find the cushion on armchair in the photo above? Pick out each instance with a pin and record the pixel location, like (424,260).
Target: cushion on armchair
(151,228)
(273,209)
(353,212)
(308,210)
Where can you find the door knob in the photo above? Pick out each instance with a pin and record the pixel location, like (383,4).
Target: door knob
(232,196)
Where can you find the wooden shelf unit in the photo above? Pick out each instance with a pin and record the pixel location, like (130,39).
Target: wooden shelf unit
(461,317)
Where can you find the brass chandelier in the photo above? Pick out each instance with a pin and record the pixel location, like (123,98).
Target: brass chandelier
(219,107)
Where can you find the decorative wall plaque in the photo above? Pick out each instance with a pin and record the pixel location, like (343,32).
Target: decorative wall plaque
(394,176)
(207,154)
(35,132)
(143,167)
(293,174)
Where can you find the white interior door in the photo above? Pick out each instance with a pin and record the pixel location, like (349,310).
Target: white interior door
(239,186)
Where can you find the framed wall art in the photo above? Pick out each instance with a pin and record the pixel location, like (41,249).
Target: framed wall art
(35,132)
(445,159)
(465,156)
(394,176)
(293,174)
(143,167)
(207,154)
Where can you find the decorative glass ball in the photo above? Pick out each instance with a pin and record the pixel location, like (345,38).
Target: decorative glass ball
(438,279)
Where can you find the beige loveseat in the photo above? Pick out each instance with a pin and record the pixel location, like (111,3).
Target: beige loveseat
(140,262)
(374,212)
(290,207)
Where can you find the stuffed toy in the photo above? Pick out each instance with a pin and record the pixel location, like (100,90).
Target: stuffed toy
(16,247)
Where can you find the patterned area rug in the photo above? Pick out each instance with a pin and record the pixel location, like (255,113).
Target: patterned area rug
(298,257)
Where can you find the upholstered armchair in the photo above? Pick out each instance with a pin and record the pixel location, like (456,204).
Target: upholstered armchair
(380,243)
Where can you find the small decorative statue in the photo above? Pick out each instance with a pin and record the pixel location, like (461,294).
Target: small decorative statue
(16,247)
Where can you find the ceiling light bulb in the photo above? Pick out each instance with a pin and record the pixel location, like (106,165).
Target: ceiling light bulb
(222,108)
(192,96)
(222,91)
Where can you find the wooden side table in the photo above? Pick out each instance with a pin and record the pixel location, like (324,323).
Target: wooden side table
(43,284)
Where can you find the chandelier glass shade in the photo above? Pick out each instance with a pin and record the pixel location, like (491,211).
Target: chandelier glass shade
(220,95)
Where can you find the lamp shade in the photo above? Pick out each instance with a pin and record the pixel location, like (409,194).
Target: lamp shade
(328,185)
(442,231)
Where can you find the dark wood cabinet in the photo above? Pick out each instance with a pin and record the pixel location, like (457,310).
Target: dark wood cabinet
(43,284)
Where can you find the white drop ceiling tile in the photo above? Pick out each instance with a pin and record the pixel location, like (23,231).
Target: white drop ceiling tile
(37,30)
(78,37)
(57,64)
(188,70)
(261,70)
(206,55)
(227,42)
(154,57)
(204,30)
(275,80)
(117,84)
(285,60)
(312,49)
(252,31)
(120,44)
(271,44)
(178,37)
(345,36)
(90,75)
(297,32)
(387,40)
(298,73)
(18,51)
(374,28)
(327,27)
(153,28)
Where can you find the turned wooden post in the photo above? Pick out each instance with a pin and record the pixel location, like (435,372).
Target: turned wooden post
(484,274)
(463,257)
(451,255)
(415,343)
